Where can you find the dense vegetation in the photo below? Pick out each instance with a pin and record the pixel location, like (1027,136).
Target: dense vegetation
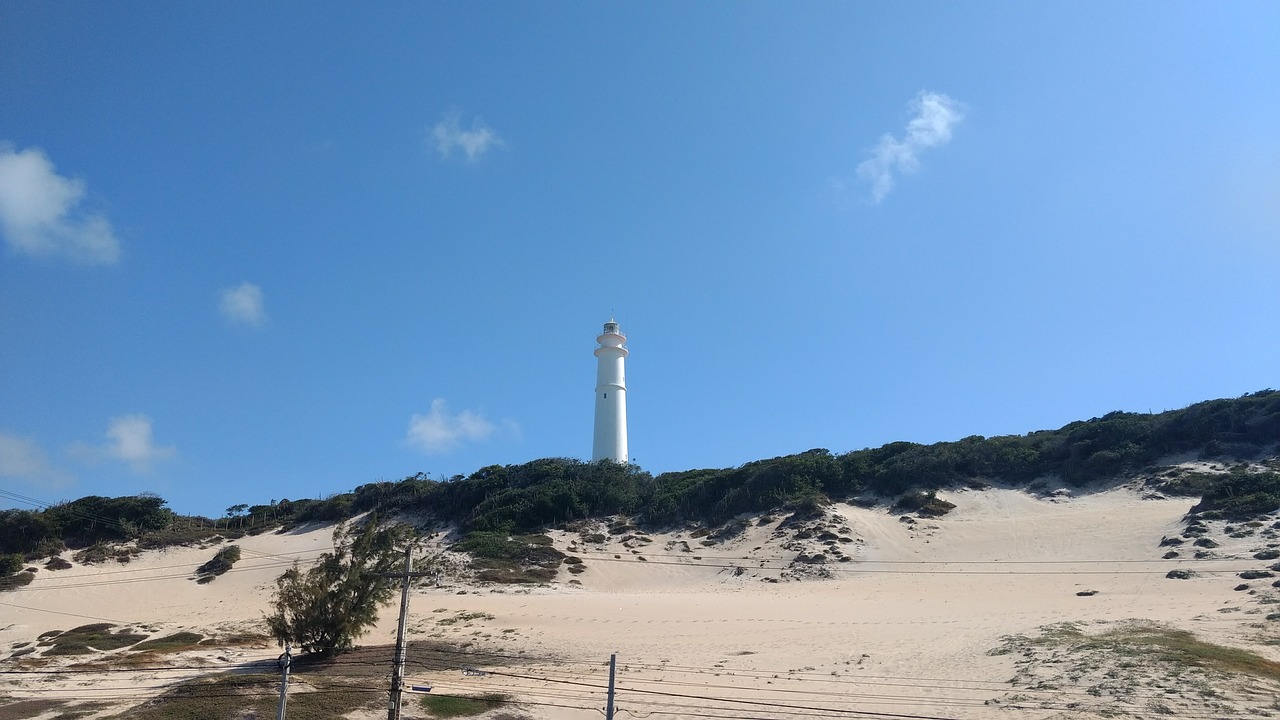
(522,498)
(527,497)
(1240,495)
(222,561)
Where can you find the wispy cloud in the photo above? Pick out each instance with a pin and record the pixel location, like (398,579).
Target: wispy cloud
(23,459)
(439,431)
(129,439)
(933,117)
(41,216)
(448,135)
(243,305)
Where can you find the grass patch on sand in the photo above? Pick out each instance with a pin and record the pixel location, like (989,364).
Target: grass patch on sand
(87,639)
(16,580)
(64,709)
(233,697)
(452,706)
(1151,643)
(465,617)
(23,709)
(519,559)
(1137,668)
(176,642)
(1181,647)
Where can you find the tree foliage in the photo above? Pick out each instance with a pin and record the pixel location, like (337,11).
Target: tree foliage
(81,523)
(325,608)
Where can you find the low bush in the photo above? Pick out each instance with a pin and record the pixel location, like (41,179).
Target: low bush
(88,638)
(11,563)
(170,643)
(518,576)
(501,546)
(1188,484)
(57,563)
(454,706)
(1242,495)
(16,580)
(221,562)
(925,504)
(519,559)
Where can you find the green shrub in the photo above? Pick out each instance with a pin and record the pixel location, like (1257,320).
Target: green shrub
(170,643)
(88,638)
(1241,495)
(517,576)
(520,559)
(57,563)
(221,562)
(453,706)
(11,563)
(16,580)
(526,549)
(1189,484)
(927,504)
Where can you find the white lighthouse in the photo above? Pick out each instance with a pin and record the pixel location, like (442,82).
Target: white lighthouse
(611,396)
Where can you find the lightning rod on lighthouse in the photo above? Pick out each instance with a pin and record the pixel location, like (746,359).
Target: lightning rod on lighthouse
(610,441)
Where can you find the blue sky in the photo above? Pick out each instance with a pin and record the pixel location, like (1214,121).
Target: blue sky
(254,251)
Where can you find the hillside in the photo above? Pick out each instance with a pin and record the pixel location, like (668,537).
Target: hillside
(544,493)
(1120,566)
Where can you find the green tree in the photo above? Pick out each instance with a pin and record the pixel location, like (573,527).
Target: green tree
(324,609)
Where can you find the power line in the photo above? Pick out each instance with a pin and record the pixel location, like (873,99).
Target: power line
(55,612)
(875,700)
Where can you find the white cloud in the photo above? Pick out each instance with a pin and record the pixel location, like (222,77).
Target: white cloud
(934,116)
(129,439)
(448,134)
(39,212)
(23,459)
(439,432)
(243,304)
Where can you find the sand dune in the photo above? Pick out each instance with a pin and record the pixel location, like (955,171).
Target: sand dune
(912,621)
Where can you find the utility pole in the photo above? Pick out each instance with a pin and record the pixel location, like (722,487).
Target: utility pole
(283,662)
(608,708)
(397,667)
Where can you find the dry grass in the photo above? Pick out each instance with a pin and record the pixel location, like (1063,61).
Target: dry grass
(1179,646)
(1139,668)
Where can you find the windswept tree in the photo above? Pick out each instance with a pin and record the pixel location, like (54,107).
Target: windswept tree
(325,608)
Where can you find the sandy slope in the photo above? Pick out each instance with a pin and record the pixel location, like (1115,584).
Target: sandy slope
(905,626)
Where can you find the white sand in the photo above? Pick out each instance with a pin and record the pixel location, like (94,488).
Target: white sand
(905,627)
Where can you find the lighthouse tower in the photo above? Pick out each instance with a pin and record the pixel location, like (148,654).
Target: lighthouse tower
(611,396)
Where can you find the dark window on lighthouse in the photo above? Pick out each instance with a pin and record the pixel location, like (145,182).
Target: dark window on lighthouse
(605,396)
